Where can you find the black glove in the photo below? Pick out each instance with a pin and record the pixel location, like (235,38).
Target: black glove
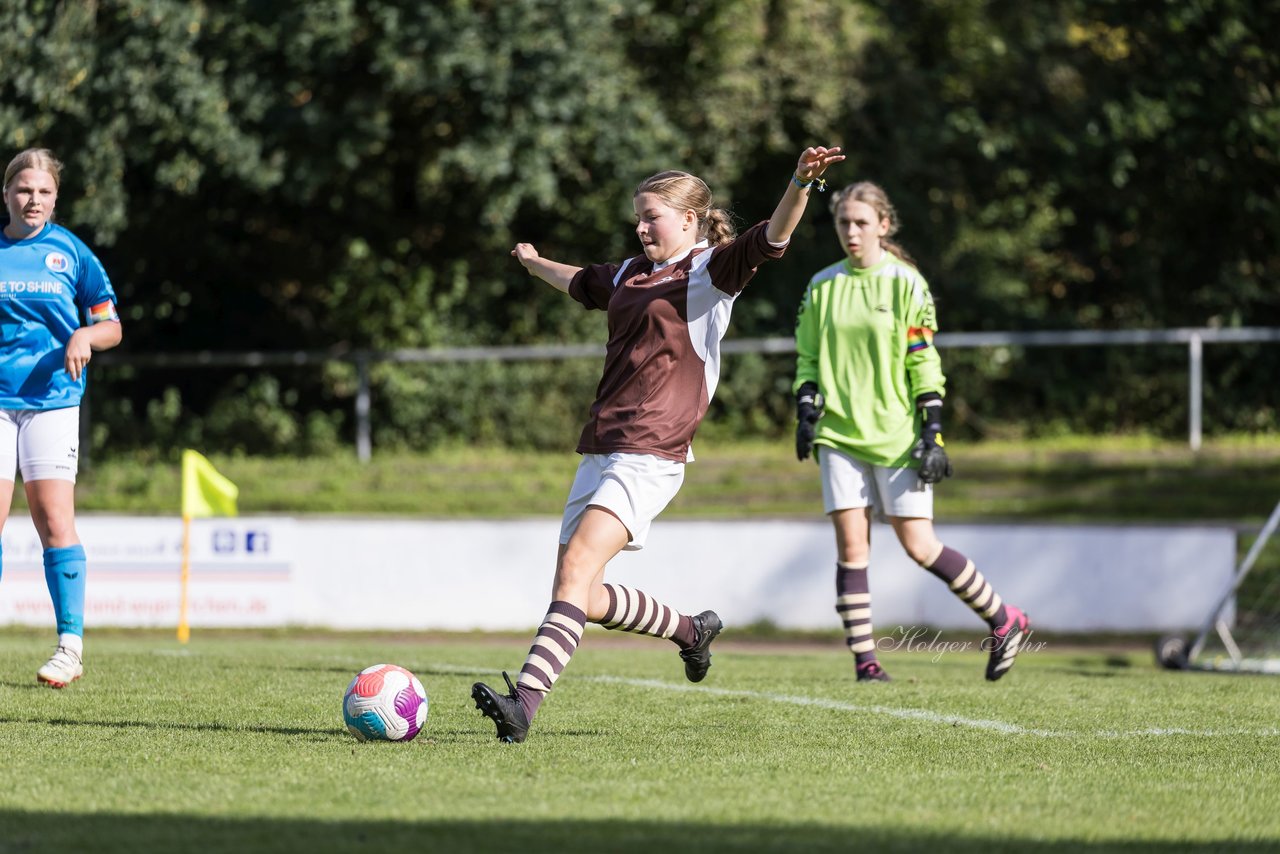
(934,465)
(809,405)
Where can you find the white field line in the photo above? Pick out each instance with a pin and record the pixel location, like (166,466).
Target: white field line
(822,703)
(920,715)
(928,716)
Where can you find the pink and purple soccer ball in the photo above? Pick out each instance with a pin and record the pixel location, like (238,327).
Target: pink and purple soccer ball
(385,703)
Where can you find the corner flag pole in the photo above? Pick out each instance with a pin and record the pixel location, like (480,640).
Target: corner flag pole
(184,628)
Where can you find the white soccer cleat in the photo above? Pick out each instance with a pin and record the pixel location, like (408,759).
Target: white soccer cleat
(60,671)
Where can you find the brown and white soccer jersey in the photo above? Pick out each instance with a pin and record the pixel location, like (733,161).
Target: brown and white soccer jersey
(662,362)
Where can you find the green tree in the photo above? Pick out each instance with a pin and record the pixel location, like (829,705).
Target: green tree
(342,174)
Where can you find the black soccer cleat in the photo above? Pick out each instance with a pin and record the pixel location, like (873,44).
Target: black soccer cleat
(1005,642)
(503,709)
(872,672)
(697,658)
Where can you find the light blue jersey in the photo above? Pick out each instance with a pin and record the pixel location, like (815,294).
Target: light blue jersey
(48,284)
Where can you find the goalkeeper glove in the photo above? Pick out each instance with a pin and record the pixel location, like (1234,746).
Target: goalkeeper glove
(929,449)
(809,405)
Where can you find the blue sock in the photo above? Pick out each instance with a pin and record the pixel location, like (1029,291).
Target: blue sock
(64,571)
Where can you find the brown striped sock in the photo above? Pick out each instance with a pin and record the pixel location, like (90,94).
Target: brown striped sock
(553,646)
(853,604)
(970,585)
(632,610)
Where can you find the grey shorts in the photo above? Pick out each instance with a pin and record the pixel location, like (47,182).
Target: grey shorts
(849,483)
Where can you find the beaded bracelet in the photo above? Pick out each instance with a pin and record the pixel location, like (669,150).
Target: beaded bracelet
(821,182)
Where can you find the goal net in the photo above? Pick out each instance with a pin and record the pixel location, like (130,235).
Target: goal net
(1242,631)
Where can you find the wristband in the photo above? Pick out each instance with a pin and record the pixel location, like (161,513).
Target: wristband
(821,182)
(809,395)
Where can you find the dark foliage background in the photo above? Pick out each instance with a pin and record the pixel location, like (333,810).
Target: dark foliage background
(339,175)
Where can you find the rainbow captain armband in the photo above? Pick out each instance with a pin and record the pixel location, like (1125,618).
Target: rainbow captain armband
(919,338)
(105,310)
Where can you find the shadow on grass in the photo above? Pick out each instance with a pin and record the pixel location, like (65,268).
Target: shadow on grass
(32,832)
(24,685)
(434,735)
(1109,667)
(169,725)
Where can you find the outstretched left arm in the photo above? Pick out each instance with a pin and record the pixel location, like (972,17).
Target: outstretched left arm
(813,162)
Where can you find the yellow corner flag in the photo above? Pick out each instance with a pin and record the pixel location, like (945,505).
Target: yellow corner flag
(205,492)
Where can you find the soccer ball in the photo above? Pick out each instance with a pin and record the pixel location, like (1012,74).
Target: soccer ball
(385,703)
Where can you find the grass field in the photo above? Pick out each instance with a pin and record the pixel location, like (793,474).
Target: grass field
(235,743)
(1086,478)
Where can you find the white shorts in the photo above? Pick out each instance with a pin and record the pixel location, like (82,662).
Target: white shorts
(45,443)
(849,483)
(633,487)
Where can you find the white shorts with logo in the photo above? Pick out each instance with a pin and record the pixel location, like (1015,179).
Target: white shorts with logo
(633,487)
(44,443)
(848,483)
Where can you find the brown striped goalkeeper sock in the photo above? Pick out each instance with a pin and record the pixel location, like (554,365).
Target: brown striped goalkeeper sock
(853,604)
(970,585)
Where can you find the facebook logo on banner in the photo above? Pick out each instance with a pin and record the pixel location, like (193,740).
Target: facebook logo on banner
(257,541)
(224,541)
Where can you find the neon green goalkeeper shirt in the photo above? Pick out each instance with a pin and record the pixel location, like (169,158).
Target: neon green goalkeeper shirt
(865,336)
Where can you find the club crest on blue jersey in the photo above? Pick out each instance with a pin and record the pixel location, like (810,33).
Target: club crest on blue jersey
(57,262)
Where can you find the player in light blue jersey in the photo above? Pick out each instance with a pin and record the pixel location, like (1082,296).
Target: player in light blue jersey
(56,308)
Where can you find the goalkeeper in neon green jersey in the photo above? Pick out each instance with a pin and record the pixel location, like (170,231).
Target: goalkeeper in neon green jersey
(869,389)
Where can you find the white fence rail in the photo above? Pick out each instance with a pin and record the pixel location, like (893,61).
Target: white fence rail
(1193,338)
(280,571)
